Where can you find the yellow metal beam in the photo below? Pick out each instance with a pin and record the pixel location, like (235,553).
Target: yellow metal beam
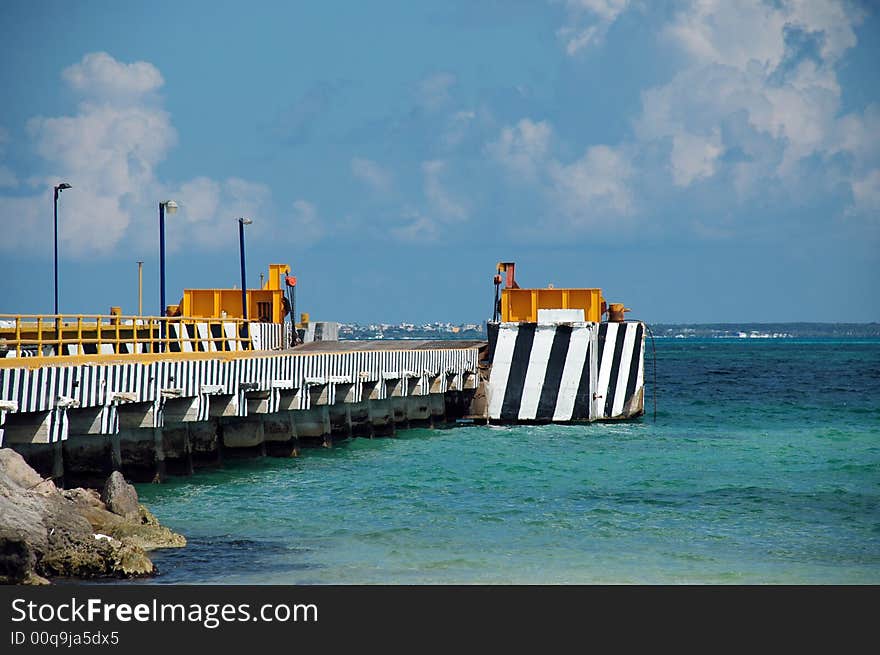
(522,305)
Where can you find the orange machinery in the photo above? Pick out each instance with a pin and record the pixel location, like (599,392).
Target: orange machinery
(521,305)
(270,304)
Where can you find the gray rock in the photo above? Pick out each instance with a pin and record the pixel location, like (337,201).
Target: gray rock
(120,497)
(17,558)
(18,472)
(45,532)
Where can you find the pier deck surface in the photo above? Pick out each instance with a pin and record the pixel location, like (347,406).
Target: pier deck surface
(356,345)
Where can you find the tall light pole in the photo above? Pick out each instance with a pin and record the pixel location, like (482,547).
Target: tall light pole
(171,207)
(58,189)
(241,223)
(140,288)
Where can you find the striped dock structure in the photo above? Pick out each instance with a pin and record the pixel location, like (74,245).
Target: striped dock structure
(566,371)
(137,412)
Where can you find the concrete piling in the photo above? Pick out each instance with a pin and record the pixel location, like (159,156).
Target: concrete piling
(148,453)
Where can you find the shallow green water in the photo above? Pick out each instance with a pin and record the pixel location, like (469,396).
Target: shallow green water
(763,466)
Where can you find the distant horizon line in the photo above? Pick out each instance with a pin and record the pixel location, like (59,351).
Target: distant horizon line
(686,324)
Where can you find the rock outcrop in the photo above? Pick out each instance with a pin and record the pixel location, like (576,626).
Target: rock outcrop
(120,497)
(46,532)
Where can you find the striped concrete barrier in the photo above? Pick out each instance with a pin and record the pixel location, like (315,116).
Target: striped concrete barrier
(563,372)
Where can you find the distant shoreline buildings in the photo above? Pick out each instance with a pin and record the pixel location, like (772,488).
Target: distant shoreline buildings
(477,331)
(412,331)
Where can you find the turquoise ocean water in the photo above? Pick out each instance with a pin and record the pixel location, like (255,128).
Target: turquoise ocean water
(763,467)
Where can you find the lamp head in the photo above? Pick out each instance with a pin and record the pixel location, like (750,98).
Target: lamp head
(170,206)
(245,221)
(62,186)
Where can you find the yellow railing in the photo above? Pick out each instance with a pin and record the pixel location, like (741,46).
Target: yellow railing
(55,335)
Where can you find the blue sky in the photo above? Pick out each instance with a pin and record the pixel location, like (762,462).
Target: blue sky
(701,161)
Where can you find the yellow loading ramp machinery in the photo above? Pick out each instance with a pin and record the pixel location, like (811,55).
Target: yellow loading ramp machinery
(517,305)
(269,304)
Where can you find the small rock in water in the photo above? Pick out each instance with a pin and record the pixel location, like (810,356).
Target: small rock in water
(120,497)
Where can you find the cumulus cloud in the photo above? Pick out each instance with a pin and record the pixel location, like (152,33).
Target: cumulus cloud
(588,22)
(591,190)
(747,89)
(594,187)
(101,77)
(104,148)
(305,223)
(523,148)
(209,210)
(417,229)
(457,127)
(757,96)
(372,174)
(693,157)
(737,33)
(444,205)
(7,177)
(440,210)
(866,194)
(434,91)
(109,150)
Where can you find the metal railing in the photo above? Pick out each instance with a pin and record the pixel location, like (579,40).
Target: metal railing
(64,335)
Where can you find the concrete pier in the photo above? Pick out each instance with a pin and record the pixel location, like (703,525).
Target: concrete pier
(151,416)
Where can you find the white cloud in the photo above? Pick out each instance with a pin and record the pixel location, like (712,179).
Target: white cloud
(108,150)
(755,103)
(457,127)
(209,210)
(738,33)
(693,157)
(418,229)
(433,91)
(589,22)
(105,149)
(202,200)
(441,208)
(523,148)
(372,174)
(100,76)
(305,223)
(859,135)
(594,188)
(441,201)
(746,88)
(866,195)
(730,33)
(7,177)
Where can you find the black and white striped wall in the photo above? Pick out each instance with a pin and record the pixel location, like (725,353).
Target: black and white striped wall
(620,385)
(52,390)
(562,372)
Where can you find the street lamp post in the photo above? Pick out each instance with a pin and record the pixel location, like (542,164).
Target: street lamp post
(171,207)
(58,189)
(241,223)
(140,288)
